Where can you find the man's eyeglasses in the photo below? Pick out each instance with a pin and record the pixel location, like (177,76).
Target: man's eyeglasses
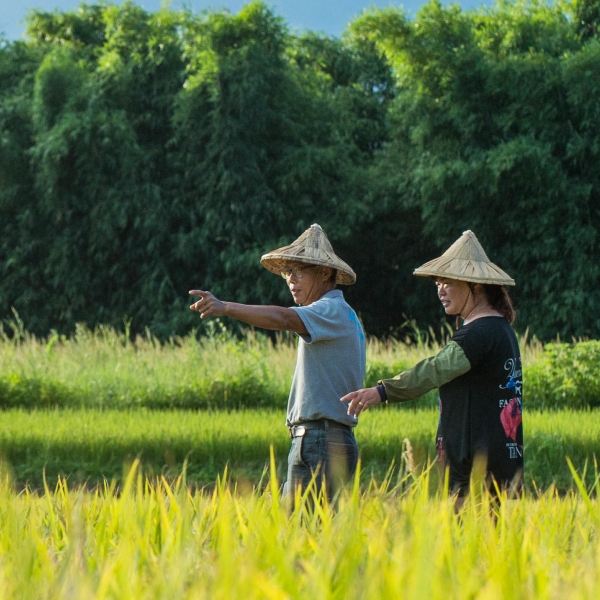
(297,272)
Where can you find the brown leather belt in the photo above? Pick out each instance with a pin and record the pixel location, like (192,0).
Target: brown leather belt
(326,424)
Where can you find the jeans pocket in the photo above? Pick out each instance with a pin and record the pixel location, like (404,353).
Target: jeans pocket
(313,449)
(342,457)
(295,455)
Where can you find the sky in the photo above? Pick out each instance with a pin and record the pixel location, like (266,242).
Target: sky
(326,16)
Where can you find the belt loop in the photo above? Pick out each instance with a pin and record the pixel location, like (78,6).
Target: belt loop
(326,424)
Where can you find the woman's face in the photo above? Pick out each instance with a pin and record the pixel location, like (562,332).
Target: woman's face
(453,294)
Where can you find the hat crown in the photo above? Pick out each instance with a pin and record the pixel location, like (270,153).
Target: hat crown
(467,247)
(315,242)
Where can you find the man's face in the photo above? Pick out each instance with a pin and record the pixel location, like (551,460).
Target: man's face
(307,283)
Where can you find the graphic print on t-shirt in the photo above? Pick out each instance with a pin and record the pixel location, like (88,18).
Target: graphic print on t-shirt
(511,414)
(511,418)
(515,375)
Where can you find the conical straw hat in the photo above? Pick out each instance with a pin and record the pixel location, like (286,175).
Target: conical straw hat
(465,260)
(312,248)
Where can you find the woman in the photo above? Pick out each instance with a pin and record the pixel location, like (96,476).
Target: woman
(478,372)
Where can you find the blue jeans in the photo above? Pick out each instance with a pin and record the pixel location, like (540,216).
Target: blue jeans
(331,454)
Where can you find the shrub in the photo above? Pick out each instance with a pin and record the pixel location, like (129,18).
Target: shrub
(564,376)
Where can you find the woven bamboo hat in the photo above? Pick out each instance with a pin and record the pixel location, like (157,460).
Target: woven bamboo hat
(466,260)
(312,248)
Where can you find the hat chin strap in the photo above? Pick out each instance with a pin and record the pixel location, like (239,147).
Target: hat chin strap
(463,307)
(478,306)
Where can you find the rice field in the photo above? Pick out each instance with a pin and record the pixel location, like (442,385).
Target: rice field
(88,446)
(159,540)
(131,469)
(105,368)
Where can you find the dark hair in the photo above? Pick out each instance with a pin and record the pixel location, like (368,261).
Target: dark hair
(499,299)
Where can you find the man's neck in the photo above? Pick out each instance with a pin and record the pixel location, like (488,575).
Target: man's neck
(318,294)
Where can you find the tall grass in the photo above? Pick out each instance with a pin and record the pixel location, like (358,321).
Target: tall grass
(104,368)
(153,540)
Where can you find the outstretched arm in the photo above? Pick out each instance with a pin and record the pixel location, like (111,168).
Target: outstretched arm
(431,373)
(267,317)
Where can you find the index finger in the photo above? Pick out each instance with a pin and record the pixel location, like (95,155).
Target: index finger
(349,397)
(200,293)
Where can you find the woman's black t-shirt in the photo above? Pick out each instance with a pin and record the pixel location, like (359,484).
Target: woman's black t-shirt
(480,411)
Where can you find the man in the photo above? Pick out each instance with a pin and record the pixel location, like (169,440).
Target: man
(330,362)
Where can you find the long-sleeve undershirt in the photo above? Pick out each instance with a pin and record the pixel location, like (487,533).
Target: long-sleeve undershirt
(433,372)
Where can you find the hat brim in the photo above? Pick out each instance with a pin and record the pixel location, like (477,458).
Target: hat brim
(465,270)
(275,262)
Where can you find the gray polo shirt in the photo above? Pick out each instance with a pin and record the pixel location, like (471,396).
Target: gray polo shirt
(331,361)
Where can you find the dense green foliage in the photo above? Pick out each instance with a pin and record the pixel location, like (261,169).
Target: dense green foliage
(145,154)
(566,375)
(90,446)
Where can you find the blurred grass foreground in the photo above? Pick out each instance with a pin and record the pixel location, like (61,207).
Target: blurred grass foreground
(162,541)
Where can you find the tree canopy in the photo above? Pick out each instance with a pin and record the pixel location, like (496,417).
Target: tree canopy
(145,154)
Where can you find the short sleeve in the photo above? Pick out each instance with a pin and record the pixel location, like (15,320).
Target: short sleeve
(321,319)
(474,341)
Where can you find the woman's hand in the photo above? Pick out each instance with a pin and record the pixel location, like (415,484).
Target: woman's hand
(361,400)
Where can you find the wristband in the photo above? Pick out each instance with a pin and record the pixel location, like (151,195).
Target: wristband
(382,392)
